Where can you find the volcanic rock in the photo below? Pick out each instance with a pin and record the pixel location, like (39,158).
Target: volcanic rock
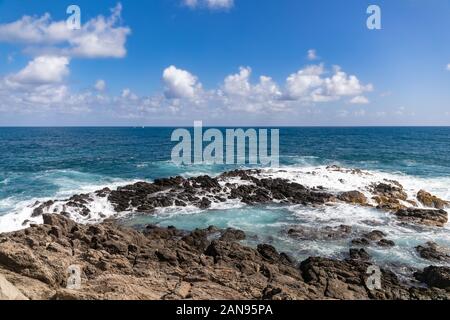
(429,200)
(428,217)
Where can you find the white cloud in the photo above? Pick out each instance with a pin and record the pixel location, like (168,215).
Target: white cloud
(100,85)
(448,67)
(42,70)
(359,100)
(100,37)
(312,55)
(183,95)
(309,85)
(238,93)
(180,83)
(305,83)
(210,4)
(400,111)
(341,84)
(238,84)
(46,94)
(128,94)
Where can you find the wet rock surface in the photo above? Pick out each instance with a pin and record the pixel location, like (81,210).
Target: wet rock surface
(437,277)
(166,263)
(251,187)
(375,237)
(429,200)
(433,252)
(389,195)
(323,233)
(354,197)
(428,217)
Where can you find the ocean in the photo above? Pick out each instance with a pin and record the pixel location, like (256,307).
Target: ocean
(38,164)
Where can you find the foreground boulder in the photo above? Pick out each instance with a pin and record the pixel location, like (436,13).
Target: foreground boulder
(8,291)
(346,280)
(438,277)
(166,263)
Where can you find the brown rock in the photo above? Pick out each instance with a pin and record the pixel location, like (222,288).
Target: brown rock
(437,218)
(166,263)
(9,291)
(354,197)
(429,200)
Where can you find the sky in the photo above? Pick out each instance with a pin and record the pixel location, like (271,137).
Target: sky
(224,62)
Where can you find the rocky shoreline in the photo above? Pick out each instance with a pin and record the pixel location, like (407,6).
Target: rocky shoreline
(117,262)
(251,187)
(165,263)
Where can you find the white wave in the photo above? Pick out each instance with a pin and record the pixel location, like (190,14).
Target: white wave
(20,212)
(347,180)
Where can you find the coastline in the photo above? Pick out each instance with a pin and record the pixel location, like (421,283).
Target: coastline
(168,264)
(119,262)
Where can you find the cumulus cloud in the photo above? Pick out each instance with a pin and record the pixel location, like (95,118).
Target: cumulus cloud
(100,37)
(359,100)
(183,94)
(311,84)
(128,94)
(238,84)
(180,83)
(210,4)
(312,55)
(42,70)
(305,83)
(238,93)
(341,84)
(100,85)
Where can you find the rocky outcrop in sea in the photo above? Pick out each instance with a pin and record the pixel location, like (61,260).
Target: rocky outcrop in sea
(251,187)
(149,262)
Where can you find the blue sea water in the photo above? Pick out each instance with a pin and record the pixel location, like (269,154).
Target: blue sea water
(47,163)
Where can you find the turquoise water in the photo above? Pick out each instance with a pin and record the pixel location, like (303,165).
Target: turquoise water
(48,163)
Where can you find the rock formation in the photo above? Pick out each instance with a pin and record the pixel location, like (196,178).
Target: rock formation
(166,263)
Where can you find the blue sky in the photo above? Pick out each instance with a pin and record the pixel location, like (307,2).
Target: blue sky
(241,62)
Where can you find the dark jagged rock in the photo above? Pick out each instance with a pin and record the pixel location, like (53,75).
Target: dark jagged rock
(347,280)
(268,252)
(251,187)
(230,235)
(325,233)
(360,242)
(359,254)
(432,251)
(39,211)
(201,192)
(386,243)
(437,218)
(389,195)
(438,277)
(375,235)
